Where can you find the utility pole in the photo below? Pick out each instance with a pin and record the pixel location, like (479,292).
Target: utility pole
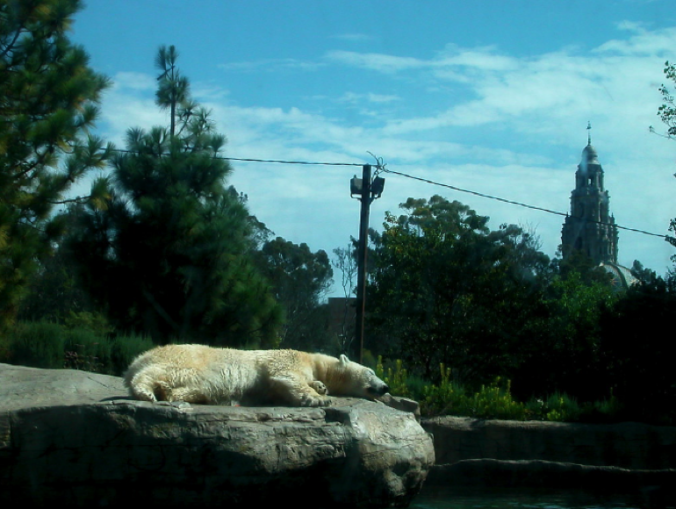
(367,192)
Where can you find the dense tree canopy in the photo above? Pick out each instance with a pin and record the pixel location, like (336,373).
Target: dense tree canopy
(170,254)
(48,97)
(300,280)
(444,288)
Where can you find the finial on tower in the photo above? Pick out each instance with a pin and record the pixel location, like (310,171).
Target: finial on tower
(588,132)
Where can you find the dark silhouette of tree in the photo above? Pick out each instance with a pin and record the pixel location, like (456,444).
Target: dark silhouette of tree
(300,280)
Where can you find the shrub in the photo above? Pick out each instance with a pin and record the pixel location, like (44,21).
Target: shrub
(396,378)
(126,348)
(37,344)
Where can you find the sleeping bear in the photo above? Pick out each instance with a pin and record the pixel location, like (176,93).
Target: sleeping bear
(207,375)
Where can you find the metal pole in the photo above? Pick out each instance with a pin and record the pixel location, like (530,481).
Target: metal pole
(361,262)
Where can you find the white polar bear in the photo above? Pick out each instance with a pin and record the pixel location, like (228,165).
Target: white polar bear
(202,374)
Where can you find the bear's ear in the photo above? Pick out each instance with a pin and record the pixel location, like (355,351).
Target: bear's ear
(344,360)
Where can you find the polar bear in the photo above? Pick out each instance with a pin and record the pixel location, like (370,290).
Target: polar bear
(203,374)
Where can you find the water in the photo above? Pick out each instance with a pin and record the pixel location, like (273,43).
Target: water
(520,498)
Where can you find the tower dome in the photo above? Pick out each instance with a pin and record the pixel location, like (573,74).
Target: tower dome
(589,155)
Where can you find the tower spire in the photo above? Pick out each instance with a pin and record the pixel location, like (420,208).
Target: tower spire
(588,132)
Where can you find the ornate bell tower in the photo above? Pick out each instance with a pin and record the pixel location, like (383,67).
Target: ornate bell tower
(590,228)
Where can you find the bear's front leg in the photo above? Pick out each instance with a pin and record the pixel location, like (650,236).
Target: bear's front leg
(319,387)
(298,392)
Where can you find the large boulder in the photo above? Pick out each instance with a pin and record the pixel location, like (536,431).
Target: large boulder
(74,437)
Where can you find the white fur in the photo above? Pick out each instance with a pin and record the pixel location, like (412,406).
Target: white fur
(202,374)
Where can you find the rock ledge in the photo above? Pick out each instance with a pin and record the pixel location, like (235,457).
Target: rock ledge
(74,437)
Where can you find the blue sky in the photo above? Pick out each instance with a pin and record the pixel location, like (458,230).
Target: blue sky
(490,96)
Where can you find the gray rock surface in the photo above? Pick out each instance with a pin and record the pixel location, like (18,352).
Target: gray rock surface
(76,438)
(627,445)
(626,457)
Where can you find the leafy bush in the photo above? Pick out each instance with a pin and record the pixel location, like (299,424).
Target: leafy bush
(396,378)
(54,346)
(85,350)
(126,348)
(492,401)
(556,407)
(37,344)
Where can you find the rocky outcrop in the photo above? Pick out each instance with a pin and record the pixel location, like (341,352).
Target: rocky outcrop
(548,454)
(73,437)
(626,445)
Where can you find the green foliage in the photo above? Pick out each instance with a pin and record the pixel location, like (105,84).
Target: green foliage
(636,348)
(667,113)
(54,291)
(556,407)
(94,322)
(492,401)
(125,349)
(173,90)
(50,345)
(444,288)
(564,348)
(39,344)
(85,350)
(396,378)
(169,255)
(48,102)
(299,280)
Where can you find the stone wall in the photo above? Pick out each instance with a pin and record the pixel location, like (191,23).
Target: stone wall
(625,445)
(631,458)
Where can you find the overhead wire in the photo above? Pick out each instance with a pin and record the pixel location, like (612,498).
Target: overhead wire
(382,167)
(511,202)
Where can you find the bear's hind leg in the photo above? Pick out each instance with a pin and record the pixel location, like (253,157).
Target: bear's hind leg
(148,385)
(189,395)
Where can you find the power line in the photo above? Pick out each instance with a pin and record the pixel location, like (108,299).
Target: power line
(511,202)
(381,167)
(254,160)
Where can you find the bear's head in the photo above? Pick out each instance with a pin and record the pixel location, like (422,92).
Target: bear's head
(358,380)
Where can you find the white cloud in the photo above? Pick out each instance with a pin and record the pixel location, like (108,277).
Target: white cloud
(351,97)
(375,61)
(658,43)
(271,65)
(501,133)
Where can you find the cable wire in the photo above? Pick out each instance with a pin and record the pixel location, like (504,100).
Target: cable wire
(511,202)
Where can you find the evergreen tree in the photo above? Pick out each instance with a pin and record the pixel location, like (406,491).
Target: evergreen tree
(47,102)
(170,256)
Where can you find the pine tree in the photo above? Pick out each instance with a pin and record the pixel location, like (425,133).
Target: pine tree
(47,102)
(169,256)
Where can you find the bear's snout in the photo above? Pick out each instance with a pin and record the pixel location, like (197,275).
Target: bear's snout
(379,390)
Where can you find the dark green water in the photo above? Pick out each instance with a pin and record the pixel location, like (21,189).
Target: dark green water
(518,498)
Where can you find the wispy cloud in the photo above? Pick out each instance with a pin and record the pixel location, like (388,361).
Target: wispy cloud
(351,97)
(271,65)
(375,61)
